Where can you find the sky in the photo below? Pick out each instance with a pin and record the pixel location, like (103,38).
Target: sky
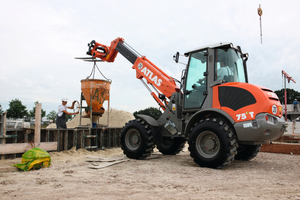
(39,40)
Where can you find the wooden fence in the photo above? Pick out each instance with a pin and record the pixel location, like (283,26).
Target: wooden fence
(15,142)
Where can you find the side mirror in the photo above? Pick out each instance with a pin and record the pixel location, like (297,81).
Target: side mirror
(246,55)
(176,57)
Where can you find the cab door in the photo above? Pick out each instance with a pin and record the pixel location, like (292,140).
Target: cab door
(196,81)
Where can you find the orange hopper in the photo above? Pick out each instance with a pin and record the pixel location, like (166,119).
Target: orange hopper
(95,92)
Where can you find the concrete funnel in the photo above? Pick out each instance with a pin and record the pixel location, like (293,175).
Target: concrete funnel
(95,92)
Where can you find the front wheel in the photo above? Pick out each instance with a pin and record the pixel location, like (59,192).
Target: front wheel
(212,144)
(137,139)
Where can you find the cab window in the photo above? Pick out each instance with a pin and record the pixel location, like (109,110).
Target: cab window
(195,85)
(229,65)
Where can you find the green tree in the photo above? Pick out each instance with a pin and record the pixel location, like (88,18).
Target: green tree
(52,115)
(32,112)
(290,95)
(69,117)
(1,108)
(151,111)
(16,109)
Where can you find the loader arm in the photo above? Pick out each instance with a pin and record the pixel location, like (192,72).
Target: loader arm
(163,84)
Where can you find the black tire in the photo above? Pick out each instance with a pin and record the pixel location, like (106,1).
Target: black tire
(137,139)
(247,152)
(171,146)
(212,143)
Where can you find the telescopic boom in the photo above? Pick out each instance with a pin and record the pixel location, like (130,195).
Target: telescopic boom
(164,85)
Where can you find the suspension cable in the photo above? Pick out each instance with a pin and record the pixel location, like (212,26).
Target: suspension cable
(93,72)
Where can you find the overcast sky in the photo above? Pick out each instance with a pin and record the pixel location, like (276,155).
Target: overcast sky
(39,40)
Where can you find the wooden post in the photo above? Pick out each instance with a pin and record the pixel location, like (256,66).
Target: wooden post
(3,131)
(75,138)
(37,130)
(65,136)
(293,127)
(101,138)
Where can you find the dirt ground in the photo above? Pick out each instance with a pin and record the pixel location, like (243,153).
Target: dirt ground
(268,176)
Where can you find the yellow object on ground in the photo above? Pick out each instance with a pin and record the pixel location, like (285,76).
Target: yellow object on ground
(35,157)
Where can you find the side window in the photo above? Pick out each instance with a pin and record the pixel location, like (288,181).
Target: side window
(229,66)
(195,84)
(223,70)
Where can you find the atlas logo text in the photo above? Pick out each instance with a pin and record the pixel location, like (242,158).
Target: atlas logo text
(149,74)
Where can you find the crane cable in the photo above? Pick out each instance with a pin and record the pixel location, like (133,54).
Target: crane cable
(260,12)
(93,72)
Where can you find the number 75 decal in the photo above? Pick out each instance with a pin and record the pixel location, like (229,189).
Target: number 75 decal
(244,115)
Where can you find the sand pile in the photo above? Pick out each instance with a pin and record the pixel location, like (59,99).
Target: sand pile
(117,118)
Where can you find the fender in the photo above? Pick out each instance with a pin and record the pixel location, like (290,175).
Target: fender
(202,114)
(148,119)
(154,125)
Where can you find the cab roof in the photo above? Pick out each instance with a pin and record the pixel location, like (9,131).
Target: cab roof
(220,44)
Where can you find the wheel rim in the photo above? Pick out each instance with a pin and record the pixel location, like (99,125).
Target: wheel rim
(207,144)
(132,139)
(167,143)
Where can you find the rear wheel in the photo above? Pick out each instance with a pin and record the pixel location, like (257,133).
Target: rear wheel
(247,152)
(171,146)
(212,144)
(137,139)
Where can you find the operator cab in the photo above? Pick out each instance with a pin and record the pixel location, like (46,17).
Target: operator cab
(209,66)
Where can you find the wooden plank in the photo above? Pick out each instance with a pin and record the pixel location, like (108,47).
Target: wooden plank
(37,131)
(114,137)
(294,137)
(101,138)
(102,159)
(65,135)
(26,136)
(88,140)
(102,165)
(47,136)
(56,138)
(75,139)
(8,136)
(286,148)
(8,169)
(109,137)
(23,147)
(60,140)
(82,139)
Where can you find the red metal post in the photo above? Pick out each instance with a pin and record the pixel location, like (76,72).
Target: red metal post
(289,78)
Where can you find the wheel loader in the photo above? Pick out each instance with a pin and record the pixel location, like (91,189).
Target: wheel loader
(213,107)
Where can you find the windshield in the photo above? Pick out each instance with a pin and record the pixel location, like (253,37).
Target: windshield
(229,66)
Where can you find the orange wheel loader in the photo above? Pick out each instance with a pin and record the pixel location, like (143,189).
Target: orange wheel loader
(213,107)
